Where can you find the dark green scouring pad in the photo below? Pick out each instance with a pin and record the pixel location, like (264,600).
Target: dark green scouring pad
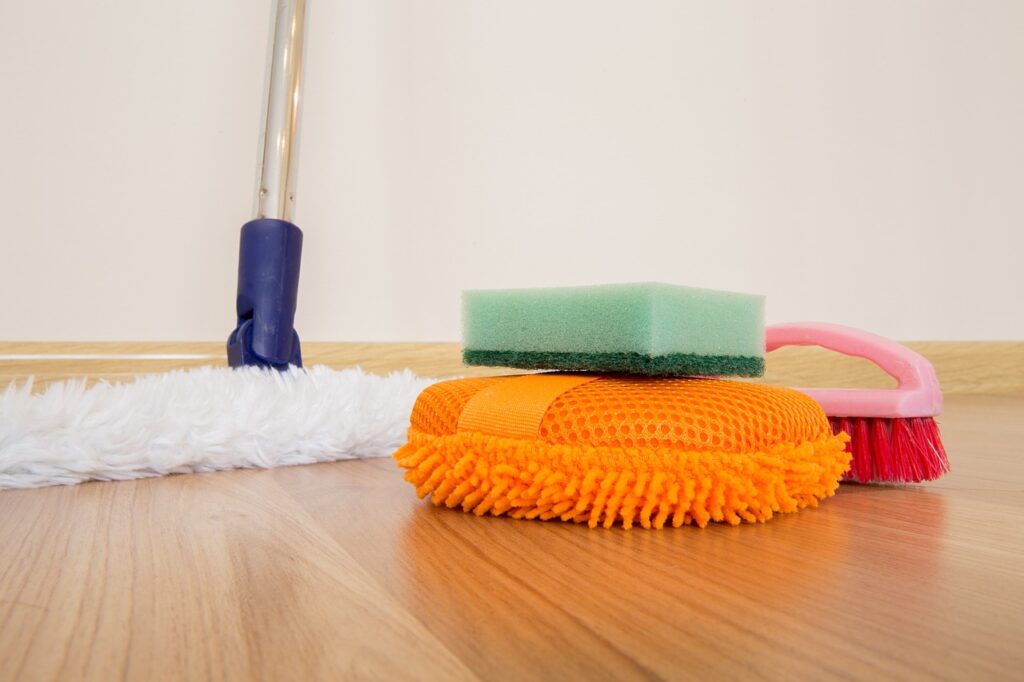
(676,364)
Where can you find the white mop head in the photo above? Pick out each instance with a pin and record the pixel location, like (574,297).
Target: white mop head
(203,419)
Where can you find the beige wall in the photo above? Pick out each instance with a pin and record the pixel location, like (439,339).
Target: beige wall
(860,162)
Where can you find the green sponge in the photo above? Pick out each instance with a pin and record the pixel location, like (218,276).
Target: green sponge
(657,329)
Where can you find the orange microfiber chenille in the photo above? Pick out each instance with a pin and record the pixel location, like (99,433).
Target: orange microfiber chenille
(625,450)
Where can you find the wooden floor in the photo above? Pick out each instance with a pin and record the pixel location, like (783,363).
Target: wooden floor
(337,571)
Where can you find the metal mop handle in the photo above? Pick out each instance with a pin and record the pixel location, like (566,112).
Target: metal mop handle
(270,252)
(275,184)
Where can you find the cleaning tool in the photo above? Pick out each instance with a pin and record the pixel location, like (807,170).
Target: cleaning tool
(653,329)
(270,249)
(204,419)
(619,449)
(215,417)
(893,434)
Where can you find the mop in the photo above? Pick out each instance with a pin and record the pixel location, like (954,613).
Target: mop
(263,409)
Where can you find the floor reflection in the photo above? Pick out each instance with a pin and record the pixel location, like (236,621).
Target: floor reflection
(680,587)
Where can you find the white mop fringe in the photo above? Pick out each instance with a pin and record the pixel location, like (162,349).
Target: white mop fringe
(204,419)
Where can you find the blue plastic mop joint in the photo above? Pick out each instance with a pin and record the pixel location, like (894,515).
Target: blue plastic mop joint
(269,258)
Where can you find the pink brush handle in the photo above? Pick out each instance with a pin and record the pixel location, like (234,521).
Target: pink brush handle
(917,393)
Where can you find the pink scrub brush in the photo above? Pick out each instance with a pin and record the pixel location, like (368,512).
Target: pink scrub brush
(893,434)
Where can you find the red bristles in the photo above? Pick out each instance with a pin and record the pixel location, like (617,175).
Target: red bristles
(892,450)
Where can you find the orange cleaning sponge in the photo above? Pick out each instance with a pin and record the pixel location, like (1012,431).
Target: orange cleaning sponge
(621,449)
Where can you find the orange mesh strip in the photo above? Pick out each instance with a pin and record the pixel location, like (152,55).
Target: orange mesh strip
(438,408)
(515,407)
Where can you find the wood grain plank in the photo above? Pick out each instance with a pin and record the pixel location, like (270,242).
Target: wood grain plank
(197,577)
(968,368)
